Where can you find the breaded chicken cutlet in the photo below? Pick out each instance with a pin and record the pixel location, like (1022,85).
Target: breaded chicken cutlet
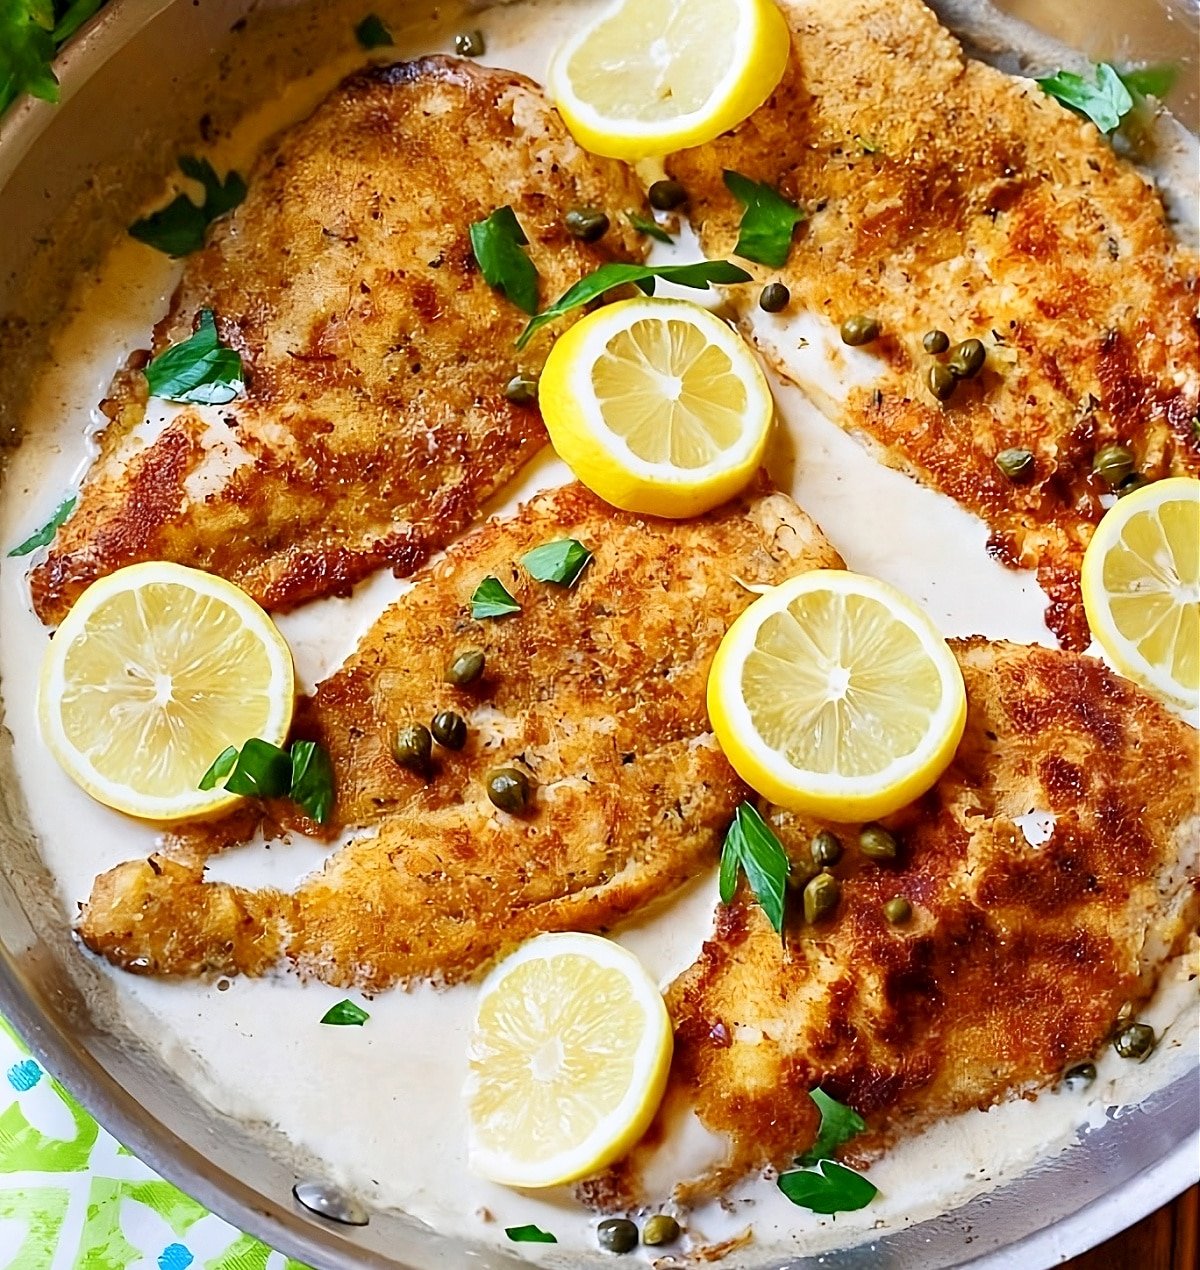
(593,692)
(1020,953)
(945,195)
(375,423)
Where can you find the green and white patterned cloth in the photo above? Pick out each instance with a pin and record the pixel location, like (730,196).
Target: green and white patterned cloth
(72,1198)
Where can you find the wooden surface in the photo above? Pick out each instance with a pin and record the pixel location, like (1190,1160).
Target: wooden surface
(1166,1240)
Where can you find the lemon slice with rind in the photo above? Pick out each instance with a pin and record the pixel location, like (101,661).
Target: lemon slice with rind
(834,694)
(156,669)
(646,79)
(569,1054)
(1141,587)
(657,406)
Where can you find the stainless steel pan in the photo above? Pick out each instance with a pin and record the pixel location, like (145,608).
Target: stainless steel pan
(134,83)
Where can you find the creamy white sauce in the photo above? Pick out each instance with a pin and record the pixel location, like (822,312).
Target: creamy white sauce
(380,1104)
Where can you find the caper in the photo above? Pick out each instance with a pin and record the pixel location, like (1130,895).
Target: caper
(1113,464)
(470,43)
(520,390)
(465,667)
(660,1229)
(412,747)
(935,341)
(586,223)
(967,359)
(1134,1040)
(449,729)
(508,789)
(897,910)
(1080,1076)
(1135,480)
(859,329)
(821,896)
(617,1234)
(942,381)
(666,195)
(876,843)
(1016,463)
(773,297)
(826,848)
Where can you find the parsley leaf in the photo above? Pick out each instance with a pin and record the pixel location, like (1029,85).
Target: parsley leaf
(312,780)
(262,770)
(765,234)
(178,229)
(560,562)
(42,537)
(839,1124)
(499,246)
(1151,81)
(72,16)
(492,600)
(835,1189)
(345,1014)
(1104,100)
(372,33)
(647,225)
(26,50)
(615,274)
(751,846)
(529,1235)
(199,370)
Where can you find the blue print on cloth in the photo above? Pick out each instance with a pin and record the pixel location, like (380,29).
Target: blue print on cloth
(174,1257)
(24,1075)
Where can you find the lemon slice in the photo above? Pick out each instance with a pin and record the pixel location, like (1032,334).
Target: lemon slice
(657,406)
(646,79)
(569,1054)
(1141,587)
(834,694)
(155,670)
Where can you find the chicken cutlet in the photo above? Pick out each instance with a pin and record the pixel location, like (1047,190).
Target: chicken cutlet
(1027,939)
(593,692)
(945,195)
(374,423)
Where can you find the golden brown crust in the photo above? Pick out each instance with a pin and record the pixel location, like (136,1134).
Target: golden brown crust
(945,194)
(375,424)
(596,691)
(1018,958)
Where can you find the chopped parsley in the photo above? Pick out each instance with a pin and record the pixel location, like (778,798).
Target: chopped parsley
(649,226)
(31,33)
(765,232)
(199,370)
(1151,81)
(499,245)
(178,229)
(1104,99)
(830,1188)
(752,847)
(44,536)
(372,33)
(262,770)
(345,1014)
(529,1235)
(492,600)
(561,562)
(839,1124)
(615,274)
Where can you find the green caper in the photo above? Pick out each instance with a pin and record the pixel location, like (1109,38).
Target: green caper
(1080,1076)
(666,195)
(465,668)
(942,381)
(521,390)
(1135,480)
(1113,464)
(935,341)
(773,297)
(586,223)
(617,1234)
(470,43)
(876,843)
(821,896)
(508,789)
(859,329)
(967,359)
(1134,1040)
(826,848)
(412,747)
(449,729)
(1016,463)
(660,1229)
(897,910)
